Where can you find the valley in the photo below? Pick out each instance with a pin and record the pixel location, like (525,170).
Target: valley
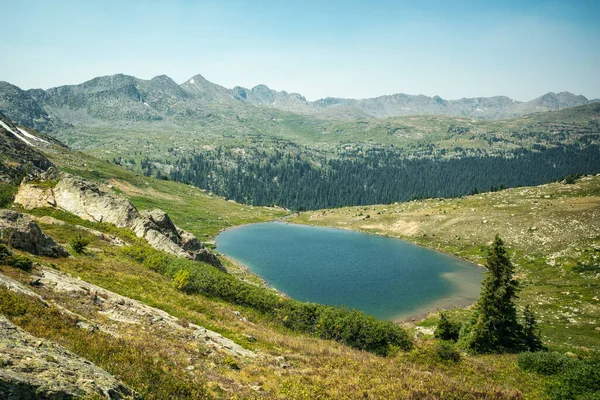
(449,183)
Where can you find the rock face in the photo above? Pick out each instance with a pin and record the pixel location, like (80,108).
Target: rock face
(24,234)
(122,310)
(37,369)
(88,201)
(18,153)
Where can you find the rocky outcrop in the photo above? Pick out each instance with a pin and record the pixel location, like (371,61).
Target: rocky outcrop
(32,196)
(31,368)
(89,201)
(86,200)
(111,306)
(24,234)
(18,153)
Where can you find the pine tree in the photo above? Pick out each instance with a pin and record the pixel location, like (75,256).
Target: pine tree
(446,329)
(494,326)
(531,331)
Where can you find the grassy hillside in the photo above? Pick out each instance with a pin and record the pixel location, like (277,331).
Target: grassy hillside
(289,365)
(553,232)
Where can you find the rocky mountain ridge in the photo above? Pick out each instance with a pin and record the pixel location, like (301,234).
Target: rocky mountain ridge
(126,98)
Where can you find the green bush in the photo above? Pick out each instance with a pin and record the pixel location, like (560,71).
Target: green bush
(545,363)
(15,260)
(581,381)
(7,194)
(79,243)
(349,327)
(573,378)
(181,280)
(446,351)
(4,253)
(446,329)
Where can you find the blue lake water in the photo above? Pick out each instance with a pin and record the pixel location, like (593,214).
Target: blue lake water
(385,277)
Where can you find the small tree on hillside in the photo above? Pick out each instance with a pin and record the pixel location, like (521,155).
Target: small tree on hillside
(446,329)
(494,326)
(79,243)
(531,331)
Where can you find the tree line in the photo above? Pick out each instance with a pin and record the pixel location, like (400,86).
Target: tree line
(375,176)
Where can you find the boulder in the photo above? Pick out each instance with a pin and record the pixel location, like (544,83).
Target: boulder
(86,200)
(208,257)
(189,242)
(32,196)
(163,224)
(31,368)
(24,234)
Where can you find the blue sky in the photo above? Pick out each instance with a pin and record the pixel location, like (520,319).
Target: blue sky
(356,49)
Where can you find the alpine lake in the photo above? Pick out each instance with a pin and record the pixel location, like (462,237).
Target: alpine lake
(385,277)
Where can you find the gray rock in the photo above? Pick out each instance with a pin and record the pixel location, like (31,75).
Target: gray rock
(89,201)
(31,369)
(24,234)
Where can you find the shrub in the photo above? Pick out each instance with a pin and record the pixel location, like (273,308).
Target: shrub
(581,380)
(350,327)
(446,351)
(7,194)
(4,253)
(15,260)
(21,262)
(79,243)
(446,329)
(545,363)
(181,280)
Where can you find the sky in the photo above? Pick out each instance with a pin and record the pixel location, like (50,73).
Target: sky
(352,49)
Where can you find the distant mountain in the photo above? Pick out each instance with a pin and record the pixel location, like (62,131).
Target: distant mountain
(22,107)
(201,89)
(400,104)
(130,99)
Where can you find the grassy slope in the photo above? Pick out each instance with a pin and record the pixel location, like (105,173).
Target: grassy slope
(547,228)
(317,368)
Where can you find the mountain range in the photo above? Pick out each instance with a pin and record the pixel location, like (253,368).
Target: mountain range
(127,98)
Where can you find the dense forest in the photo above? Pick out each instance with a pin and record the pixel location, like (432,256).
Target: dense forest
(360,176)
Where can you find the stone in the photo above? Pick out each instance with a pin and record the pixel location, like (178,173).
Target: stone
(32,196)
(41,369)
(23,233)
(250,338)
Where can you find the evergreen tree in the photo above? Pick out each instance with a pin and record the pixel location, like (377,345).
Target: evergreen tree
(531,331)
(446,329)
(494,326)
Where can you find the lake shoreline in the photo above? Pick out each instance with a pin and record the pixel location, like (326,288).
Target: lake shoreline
(420,313)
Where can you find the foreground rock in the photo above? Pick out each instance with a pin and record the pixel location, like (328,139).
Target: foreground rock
(88,201)
(31,368)
(23,233)
(122,310)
